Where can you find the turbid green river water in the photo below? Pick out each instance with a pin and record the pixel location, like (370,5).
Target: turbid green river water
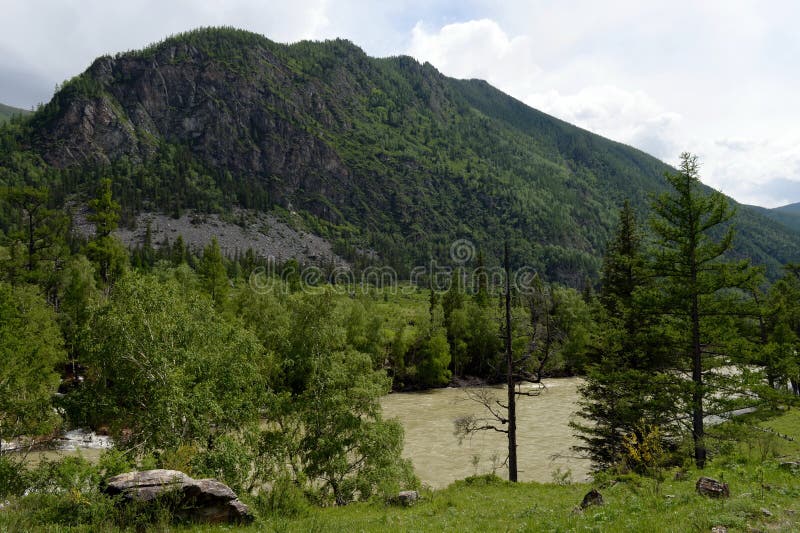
(544,438)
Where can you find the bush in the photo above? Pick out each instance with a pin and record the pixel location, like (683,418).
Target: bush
(285,499)
(12,476)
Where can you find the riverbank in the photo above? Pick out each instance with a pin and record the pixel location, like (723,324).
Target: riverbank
(764,496)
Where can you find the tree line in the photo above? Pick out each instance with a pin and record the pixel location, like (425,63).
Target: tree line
(188,365)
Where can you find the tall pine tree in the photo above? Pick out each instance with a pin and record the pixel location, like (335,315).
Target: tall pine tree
(626,388)
(694,285)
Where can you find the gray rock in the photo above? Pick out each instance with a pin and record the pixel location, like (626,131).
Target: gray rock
(147,485)
(408,497)
(712,488)
(201,500)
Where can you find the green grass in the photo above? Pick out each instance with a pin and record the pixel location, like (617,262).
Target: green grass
(632,503)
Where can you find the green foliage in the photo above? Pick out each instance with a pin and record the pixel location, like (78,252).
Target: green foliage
(695,286)
(166,369)
(625,386)
(324,429)
(77,299)
(104,249)
(434,360)
(36,236)
(105,210)
(782,331)
(31,349)
(213,274)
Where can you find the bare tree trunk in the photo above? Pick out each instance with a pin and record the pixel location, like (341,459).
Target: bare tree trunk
(512,411)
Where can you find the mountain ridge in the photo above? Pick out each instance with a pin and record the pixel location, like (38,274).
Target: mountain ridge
(382,153)
(7,111)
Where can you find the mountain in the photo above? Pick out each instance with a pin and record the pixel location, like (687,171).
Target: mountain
(791,209)
(6,112)
(381,154)
(788,215)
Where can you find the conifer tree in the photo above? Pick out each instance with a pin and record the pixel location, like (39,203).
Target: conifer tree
(105,250)
(213,273)
(694,279)
(625,388)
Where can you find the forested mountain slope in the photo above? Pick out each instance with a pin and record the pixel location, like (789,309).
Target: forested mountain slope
(7,111)
(786,215)
(385,154)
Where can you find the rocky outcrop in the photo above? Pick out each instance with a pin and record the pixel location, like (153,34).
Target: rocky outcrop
(246,112)
(201,500)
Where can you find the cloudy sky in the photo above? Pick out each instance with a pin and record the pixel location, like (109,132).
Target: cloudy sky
(718,78)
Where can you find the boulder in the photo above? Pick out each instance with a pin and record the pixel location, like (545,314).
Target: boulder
(793,466)
(593,497)
(712,488)
(408,497)
(201,500)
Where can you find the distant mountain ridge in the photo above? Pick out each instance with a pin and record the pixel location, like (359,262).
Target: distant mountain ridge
(7,111)
(382,154)
(790,208)
(787,215)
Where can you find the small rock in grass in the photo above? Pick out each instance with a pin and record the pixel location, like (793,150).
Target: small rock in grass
(408,497)
(765,511)
(712,488)
(593,497)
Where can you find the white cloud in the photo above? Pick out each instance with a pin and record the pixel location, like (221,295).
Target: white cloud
(477,49)
(763,172)
(630,117)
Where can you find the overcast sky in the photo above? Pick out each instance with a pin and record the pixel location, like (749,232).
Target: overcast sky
(717,78)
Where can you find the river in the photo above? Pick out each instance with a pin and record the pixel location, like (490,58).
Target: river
(544,437)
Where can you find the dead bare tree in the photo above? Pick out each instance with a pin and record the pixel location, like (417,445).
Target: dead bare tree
(544,336)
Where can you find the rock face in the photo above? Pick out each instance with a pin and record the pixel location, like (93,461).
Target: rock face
(712,488)
(252,115)
(202,500)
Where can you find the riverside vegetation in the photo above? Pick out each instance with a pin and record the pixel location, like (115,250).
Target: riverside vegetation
(192,363)
(271,382)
